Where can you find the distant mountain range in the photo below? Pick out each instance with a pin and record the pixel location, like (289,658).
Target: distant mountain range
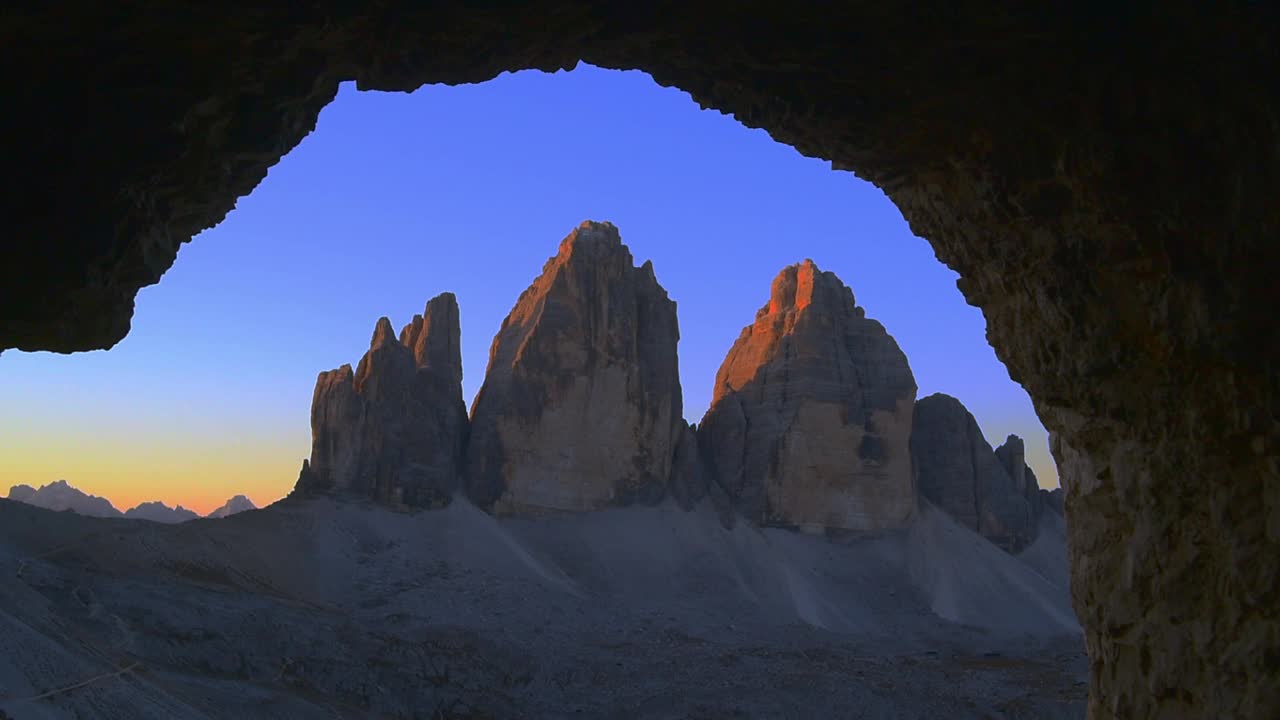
(61,495)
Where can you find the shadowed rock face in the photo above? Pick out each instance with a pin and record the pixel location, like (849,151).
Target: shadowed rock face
(1102,178)
(811,413)
(960,474)
(580,407)
(1012,456)
(394,430)
(1054,500)
(689,477)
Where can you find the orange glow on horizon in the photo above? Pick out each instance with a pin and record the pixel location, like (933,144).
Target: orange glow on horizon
(199,478)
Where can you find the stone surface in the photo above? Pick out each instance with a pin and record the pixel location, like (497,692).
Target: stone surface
(1012,456)
(1055,500)
(319,610)
(159,512)
(958,472)
(689,475)
(237,504)
(393,430)
(580,407)
(1106,194)
(61,495)
(811,413)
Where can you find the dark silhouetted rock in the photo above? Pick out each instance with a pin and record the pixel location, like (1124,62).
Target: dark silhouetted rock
(1013,457)
(580,407)
(1055,500)
(237,504)
(60,495)
(811,413)
(958,472)
(395,429)
(21,493)
(159,512)
(688,476)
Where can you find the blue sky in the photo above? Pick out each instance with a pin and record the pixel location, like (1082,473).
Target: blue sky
(397,197)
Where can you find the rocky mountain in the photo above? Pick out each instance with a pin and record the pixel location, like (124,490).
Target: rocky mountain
(813,423)
(811,414)
(159,512)
(993,492)
(61,495)
(21,493)
(237,504)
(1012,456)
(393,430)
(580,407)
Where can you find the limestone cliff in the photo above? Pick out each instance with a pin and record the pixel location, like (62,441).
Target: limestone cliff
(811,413)
(394,430)
(580,407)
(960,473)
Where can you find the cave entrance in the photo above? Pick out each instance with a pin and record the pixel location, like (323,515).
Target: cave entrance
(1103,180)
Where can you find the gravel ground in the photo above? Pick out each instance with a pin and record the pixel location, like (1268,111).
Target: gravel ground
(325,610)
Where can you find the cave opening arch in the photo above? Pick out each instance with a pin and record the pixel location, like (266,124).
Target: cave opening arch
(1102,181)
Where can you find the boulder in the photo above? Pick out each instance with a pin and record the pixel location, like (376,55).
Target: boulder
(394,429)
(810,418)
(580,407)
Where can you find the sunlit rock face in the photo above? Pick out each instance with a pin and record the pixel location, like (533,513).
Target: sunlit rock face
(959,473)
(811,414)
(393,430)
(580,407)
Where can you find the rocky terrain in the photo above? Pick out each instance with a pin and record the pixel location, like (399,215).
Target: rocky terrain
(317,608)
(62,496)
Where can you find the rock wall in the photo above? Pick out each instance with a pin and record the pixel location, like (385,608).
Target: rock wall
(958,472)
(580,407)
(1013,457)
(395,429)
(1102,178)
(809,420)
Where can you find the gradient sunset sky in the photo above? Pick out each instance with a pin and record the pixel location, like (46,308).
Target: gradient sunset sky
(397,197)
